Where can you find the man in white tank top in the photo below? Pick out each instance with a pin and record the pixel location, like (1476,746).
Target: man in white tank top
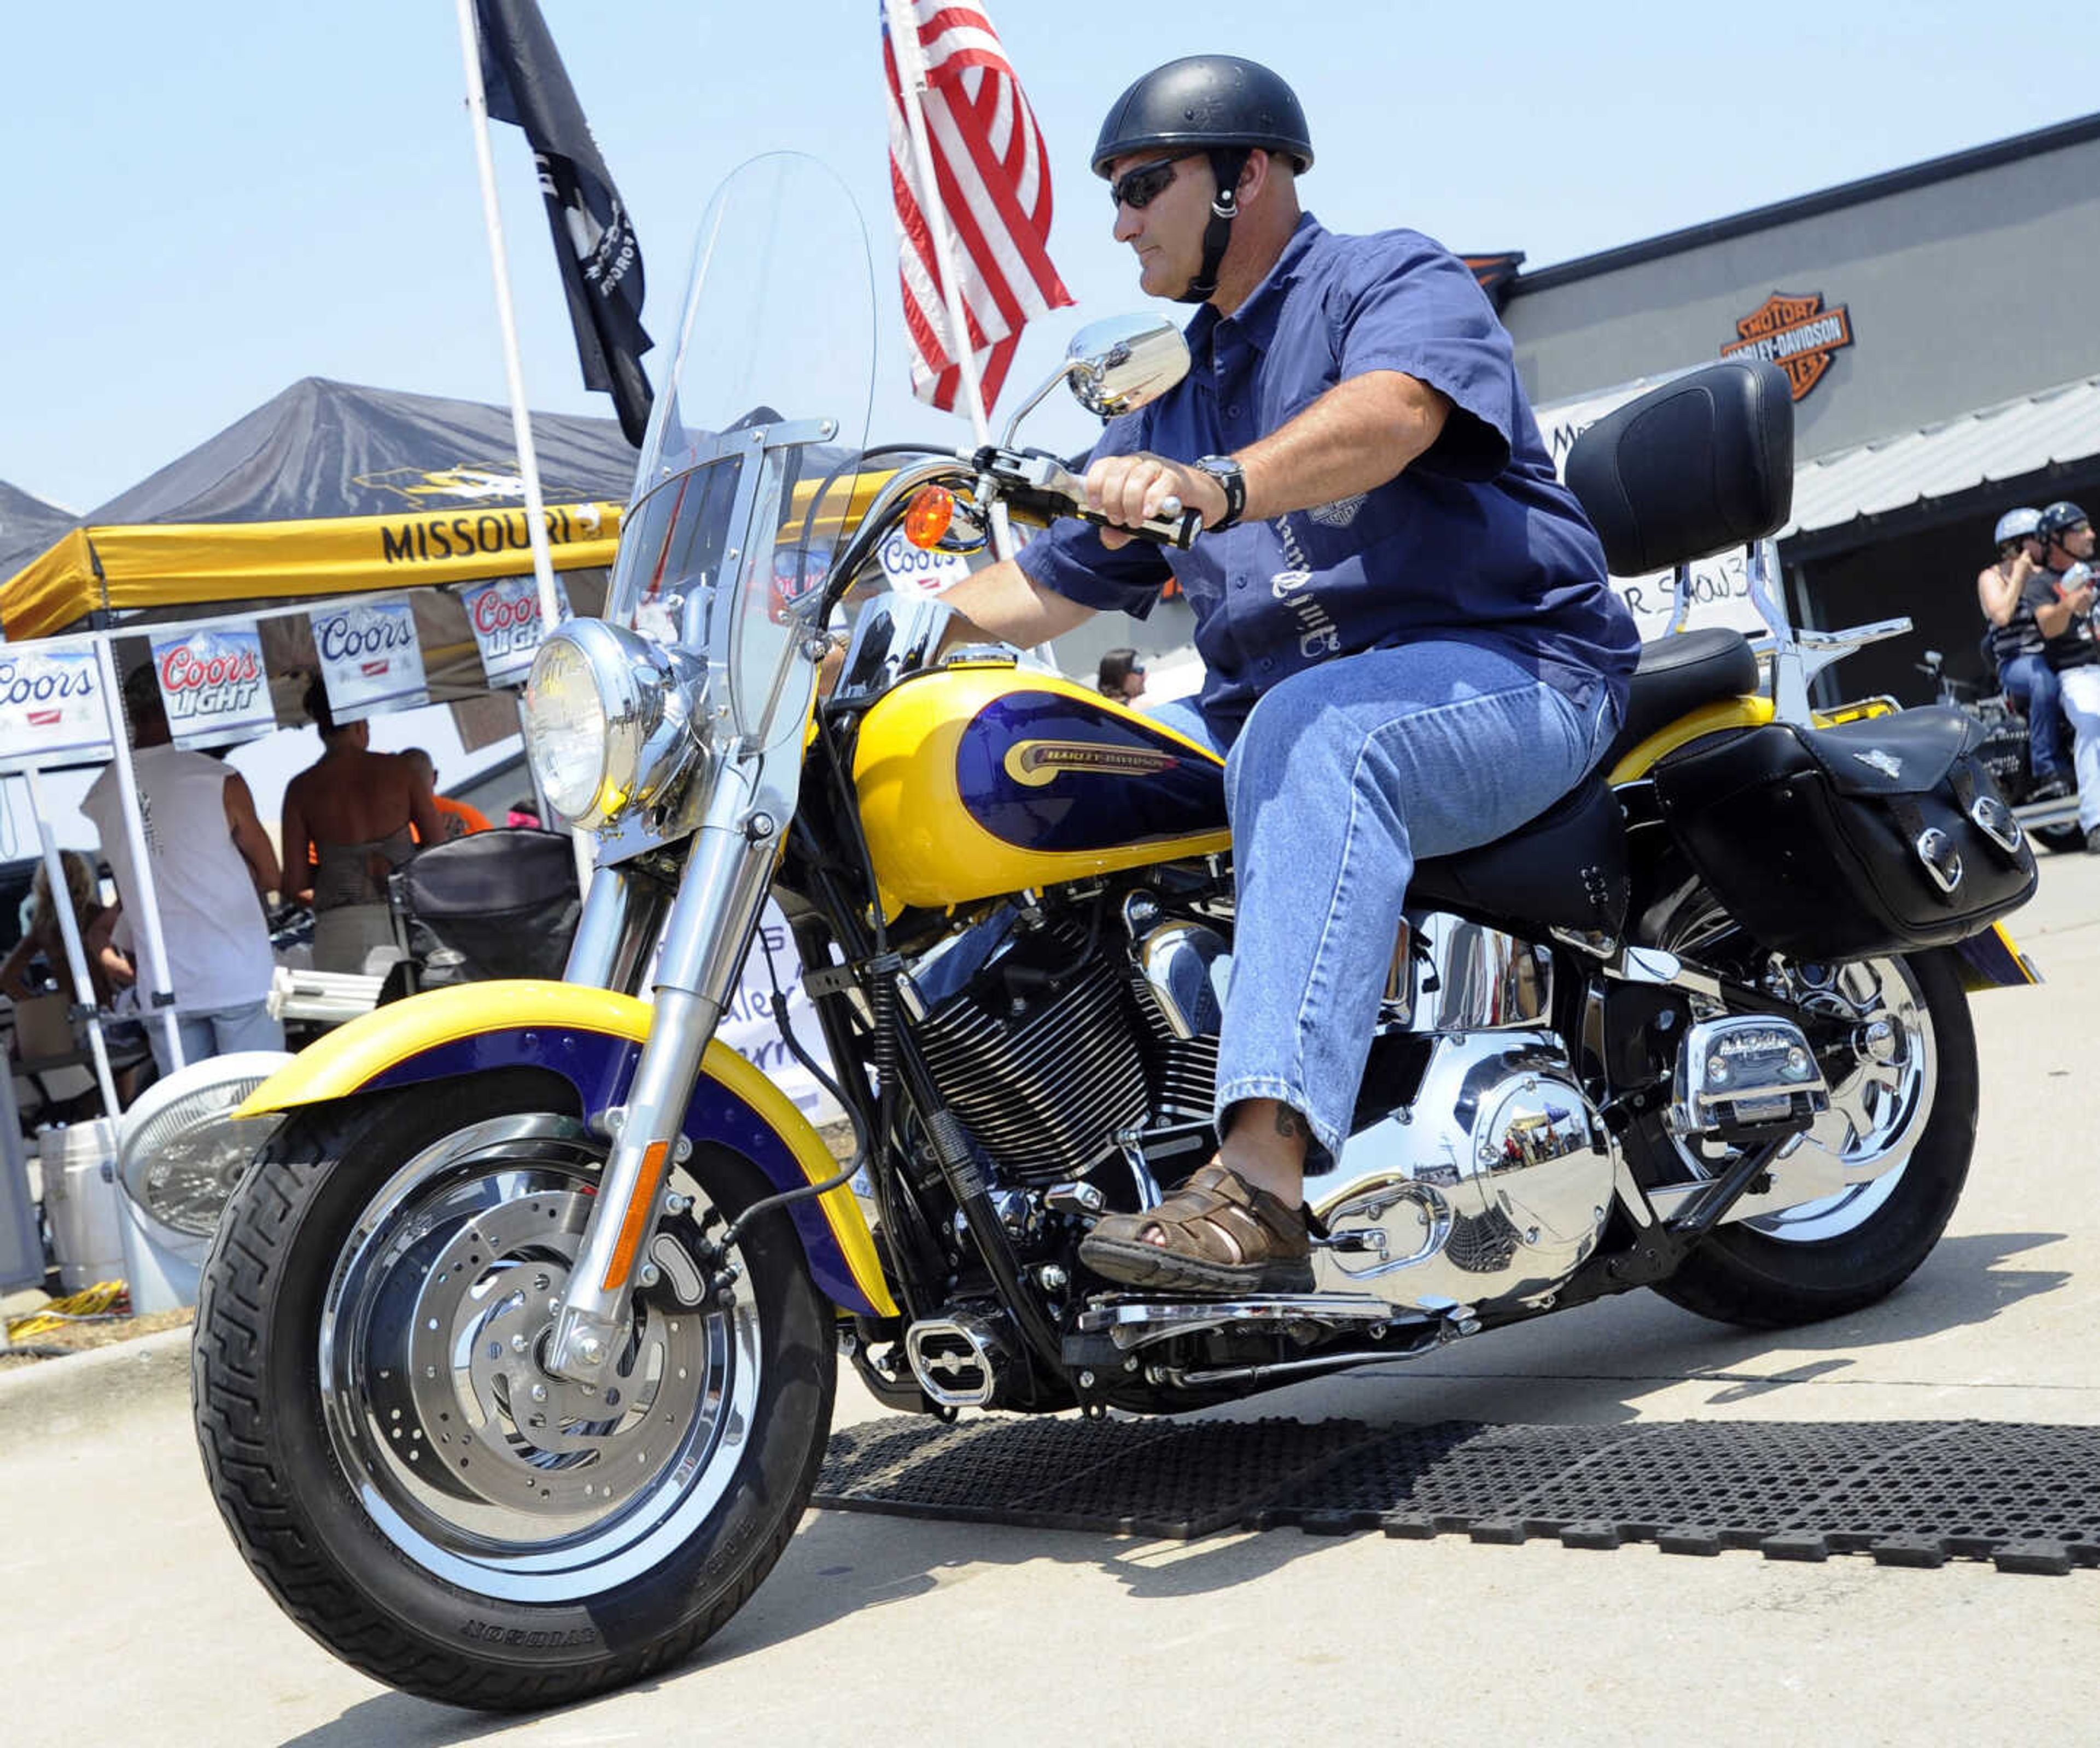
(212,864)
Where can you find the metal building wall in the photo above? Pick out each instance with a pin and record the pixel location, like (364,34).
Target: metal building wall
(1962,292)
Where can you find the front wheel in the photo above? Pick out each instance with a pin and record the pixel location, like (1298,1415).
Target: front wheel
(396,1468)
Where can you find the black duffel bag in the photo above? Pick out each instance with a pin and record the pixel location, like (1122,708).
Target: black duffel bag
(1882,835)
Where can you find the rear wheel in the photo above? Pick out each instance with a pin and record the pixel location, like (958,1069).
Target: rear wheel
(1901,1128)
(396,1467)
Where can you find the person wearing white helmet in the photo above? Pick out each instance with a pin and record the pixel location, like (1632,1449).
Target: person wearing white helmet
(2063,592)
(2016,645)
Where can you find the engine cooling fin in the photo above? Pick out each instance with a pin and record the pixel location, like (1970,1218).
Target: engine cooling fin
(1905,1494)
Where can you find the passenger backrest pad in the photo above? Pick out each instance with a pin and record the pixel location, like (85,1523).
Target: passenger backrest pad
(1702,464)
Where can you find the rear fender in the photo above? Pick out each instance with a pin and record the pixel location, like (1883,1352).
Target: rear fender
(592,1038)
(1990,960)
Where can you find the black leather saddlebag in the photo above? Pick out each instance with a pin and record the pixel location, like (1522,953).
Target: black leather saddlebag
(1877,837)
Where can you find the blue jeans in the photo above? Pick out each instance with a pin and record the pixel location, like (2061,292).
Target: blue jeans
(1345,776)
(2031,680)
(221,1033)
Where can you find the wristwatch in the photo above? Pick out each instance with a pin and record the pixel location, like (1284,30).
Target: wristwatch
(1227,472)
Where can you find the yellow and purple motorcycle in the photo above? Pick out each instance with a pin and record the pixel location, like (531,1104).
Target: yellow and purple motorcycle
(516,1351)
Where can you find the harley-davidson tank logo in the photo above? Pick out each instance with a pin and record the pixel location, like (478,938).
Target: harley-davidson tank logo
(1797,333)
(1036,762)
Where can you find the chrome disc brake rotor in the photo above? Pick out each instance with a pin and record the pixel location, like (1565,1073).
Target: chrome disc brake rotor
(472,1460)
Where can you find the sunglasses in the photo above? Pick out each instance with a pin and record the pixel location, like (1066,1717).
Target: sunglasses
(1138,188)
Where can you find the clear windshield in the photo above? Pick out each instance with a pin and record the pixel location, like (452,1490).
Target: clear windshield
(755,442)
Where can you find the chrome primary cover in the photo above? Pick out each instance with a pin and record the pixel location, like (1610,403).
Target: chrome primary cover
(1494,1184)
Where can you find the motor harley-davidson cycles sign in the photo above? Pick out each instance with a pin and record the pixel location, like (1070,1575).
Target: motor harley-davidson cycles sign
(370,660)
(1797,333)
(505,613)
(213,685)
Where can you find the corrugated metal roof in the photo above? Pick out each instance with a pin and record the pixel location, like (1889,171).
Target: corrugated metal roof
(2016,437)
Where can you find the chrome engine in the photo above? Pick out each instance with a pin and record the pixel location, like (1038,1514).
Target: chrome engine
(1494,1183)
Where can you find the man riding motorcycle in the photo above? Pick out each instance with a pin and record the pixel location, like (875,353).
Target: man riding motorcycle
(1411,647)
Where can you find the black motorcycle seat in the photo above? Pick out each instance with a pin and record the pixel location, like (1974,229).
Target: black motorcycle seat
(1566,868)
(1678,674)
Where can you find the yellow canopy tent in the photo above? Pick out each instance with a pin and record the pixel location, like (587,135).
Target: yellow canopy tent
(157,570)
(328,489)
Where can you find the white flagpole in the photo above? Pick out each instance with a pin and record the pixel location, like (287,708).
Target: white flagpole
(506,320)
(520,419)
(910,81)
(146,926)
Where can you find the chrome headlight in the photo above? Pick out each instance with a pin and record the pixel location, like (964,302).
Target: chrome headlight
(180,1149)
(610,719)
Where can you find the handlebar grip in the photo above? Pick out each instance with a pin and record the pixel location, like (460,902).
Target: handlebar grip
(1176,528)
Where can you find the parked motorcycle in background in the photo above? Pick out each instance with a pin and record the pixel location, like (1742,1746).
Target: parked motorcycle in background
(516,1352)
(2006,752)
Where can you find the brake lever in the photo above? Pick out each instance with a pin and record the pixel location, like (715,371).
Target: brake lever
(1040,485)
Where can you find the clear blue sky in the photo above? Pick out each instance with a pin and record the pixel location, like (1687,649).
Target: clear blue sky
(212,201)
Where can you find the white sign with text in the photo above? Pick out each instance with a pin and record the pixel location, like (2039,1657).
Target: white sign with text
(748,1028)
(912,571)
(370,659)
(54,709)
(505,613)
(213,685)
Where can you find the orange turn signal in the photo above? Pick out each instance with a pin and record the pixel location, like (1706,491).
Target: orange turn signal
(927,516)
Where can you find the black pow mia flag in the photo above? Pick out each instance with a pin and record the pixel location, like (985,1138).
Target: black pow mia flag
(594,239)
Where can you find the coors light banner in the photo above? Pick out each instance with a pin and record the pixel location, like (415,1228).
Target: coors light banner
(370,660)
(504,614)
(213,685)
(53,707)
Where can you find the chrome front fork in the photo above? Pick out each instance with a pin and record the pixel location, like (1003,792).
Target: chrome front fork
(712,919)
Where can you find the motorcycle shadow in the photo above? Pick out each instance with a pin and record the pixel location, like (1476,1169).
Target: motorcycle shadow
(1594,1366)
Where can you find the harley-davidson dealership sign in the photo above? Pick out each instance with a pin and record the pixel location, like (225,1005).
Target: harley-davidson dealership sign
(1797,333)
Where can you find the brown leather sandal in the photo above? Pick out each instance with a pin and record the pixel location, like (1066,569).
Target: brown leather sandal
(1217,1234)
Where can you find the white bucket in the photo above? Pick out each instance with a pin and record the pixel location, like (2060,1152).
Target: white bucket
(83,1202)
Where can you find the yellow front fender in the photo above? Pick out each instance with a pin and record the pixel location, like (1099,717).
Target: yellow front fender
(592,1038)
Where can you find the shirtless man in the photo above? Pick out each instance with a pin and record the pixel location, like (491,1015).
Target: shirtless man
(345,825)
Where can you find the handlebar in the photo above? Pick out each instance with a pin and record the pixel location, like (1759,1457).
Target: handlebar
(1039,487)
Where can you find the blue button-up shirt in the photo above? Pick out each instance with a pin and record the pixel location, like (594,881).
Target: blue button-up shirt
(1476,541)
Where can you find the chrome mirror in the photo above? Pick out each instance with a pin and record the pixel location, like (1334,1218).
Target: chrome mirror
(1116,366)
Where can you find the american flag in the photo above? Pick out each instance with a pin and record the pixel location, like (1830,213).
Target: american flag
(993,176)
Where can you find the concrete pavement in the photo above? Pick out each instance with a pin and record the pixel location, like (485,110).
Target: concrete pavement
(133,1619)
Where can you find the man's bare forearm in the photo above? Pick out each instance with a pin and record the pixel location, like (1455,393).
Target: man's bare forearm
(1356,437)
(1001,602)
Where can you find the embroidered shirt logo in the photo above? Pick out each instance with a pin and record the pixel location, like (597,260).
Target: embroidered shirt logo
(1339,513)
(1795,333)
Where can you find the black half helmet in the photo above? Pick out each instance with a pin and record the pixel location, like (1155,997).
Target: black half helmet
(1205,101)
(2059,519)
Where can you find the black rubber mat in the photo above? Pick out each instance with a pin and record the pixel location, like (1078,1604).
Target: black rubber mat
(1912,1493)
